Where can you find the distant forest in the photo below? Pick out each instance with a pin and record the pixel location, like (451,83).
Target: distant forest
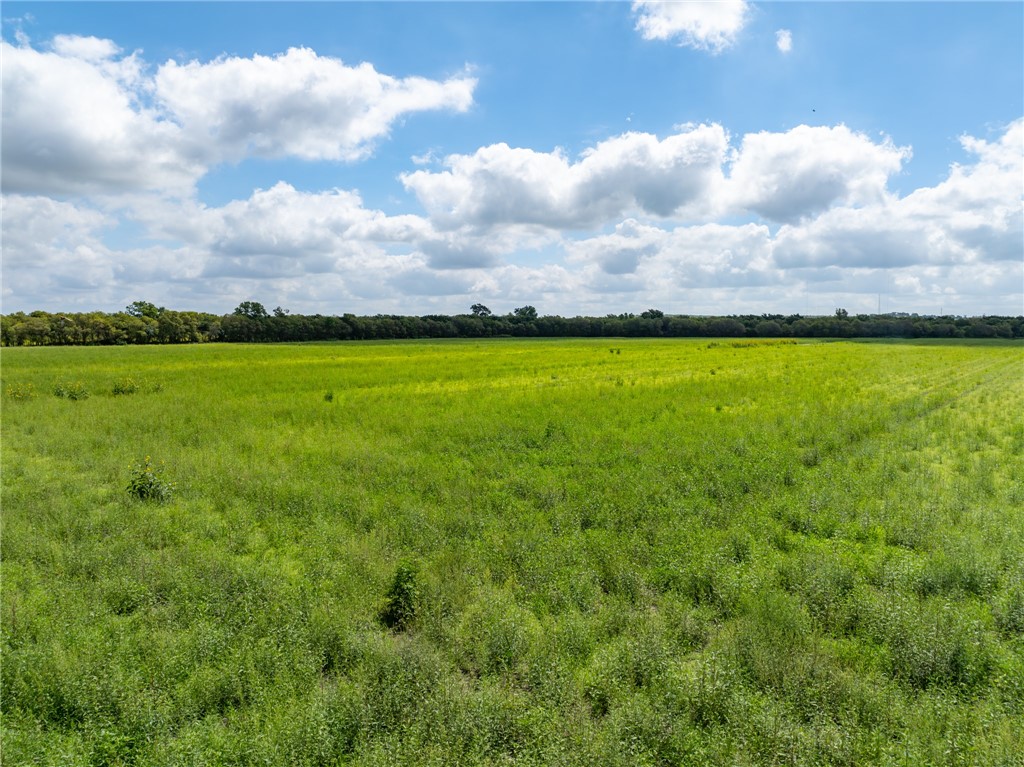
(145,323)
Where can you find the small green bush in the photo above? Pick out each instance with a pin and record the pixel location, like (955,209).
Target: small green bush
(126,386)
(811,457)
(146,484)
(21,391)
(70,390)
(1009,612)
(402,598)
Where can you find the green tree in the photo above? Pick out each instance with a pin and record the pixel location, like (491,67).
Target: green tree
(479,310)
(525,313)
(252,309)
(143,309)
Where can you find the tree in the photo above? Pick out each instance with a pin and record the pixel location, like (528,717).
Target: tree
(525,313)
(724,326)
(170,328)
(143,309)
(252,309)
(768,329)
(279,312)
(653,314)
(479,310)
(841,314)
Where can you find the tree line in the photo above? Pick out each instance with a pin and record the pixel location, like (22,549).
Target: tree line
(142,322)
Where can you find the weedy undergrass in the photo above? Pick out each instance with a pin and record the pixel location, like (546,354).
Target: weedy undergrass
(514,551)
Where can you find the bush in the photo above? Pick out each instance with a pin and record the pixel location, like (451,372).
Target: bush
(1009,612)
(126,386)
(74,390)
(146,484)
(21,391)
(402,598)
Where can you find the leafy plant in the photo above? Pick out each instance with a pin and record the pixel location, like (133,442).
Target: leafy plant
(21,391)
(402,598)
(126,386)
(74,390)
(146,484)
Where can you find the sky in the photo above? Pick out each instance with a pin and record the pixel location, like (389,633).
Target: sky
(585,158)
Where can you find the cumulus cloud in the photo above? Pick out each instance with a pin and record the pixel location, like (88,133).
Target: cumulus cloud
(297,104)
(286,232)
(86,48)
(283,221)
(84,118)
(981,199)
(962,236)
(38,231)
(806,170)
(621,251)
(781,177)
(784,40)
(689,256)
(423,281)
(459,252)
(73,123)
(710,25)
(691,221)
(973,216)
(501,185)
(54,251)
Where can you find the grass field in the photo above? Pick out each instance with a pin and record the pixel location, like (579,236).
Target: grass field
(534,552)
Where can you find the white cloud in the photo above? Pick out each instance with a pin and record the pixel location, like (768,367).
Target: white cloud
(83,118)
(784,40)
(778,176)
(297,104)
(711,25)
(500,185)
(285,232)
(75,125)
(687,222)
(86,48)
(930,249)
(973,216)
(39,231)
(708,255)
(806,170)
(426,158)
(55,256)
(621,251)
(424,281)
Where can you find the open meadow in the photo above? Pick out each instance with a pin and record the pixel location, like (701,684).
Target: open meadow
(575,552)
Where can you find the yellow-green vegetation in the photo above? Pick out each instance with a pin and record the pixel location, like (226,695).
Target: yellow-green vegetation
(627,552)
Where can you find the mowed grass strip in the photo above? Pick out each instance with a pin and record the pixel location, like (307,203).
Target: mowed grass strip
(601,552)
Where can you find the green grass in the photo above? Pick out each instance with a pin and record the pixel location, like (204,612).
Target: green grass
(626,552)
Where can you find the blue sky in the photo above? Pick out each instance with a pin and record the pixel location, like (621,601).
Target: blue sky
(584,158)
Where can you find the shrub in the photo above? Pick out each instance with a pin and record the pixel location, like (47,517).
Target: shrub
(402,598)
(146,484)
(21,391)
(931,645)
(811,457)
(1009,612)
(74,390)
(496,635)
(126,386)
(329,396)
